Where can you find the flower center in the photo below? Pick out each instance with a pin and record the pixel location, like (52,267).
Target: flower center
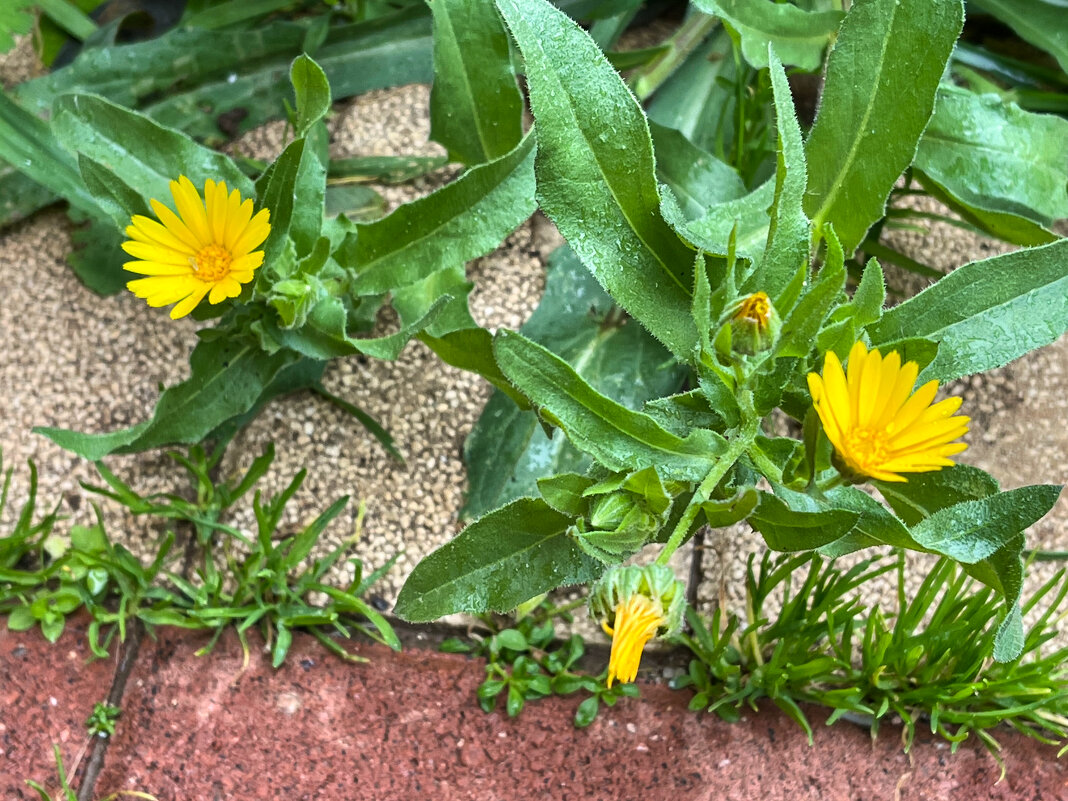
(212,263)
(867,447)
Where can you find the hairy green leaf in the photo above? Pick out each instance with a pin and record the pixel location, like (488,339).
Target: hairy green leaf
(617,437)
(596,174)
(986,313)
(507,452)
(459,222)
(882,75)
(798,36)
(147,155)
(993,156)
(497,563)
(226,378)
(789,231)
(476,110)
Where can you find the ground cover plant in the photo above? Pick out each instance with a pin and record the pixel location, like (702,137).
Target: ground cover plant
(218,578)
(722,269)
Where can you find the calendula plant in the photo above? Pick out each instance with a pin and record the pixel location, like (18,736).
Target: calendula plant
(740,284)
(288,286)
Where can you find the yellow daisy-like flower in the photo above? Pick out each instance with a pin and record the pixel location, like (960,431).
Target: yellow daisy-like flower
(879,427)
(207,248)
(638,618)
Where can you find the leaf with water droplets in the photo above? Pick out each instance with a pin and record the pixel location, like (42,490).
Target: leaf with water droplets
(596,174)
(882,75)
(497,563)
(986,313)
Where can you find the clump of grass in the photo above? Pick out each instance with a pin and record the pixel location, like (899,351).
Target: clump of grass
(263,581)
(923,663)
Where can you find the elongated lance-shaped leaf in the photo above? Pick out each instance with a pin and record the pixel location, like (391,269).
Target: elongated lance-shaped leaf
(614,435)
(227,377)
(29,146)
(476,110)
(973,530)
(698,179)
(507,452)
(993,156)
(497,563)
(986,313)
(882,75)
(798,36)
(1040,22)
(789,232)
(312,91)
(459,222)
(596,174)
(146,154)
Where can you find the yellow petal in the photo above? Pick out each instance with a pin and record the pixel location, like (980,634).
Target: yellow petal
(155,253)
(175,225)
(191,301)
(254,234)
(148,230)
(154,268)
(191,208)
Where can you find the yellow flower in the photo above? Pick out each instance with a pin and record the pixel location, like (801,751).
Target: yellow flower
(204,249)
(638,618)
(879,427)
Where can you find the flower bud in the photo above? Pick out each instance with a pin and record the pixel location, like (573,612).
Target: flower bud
(754,324)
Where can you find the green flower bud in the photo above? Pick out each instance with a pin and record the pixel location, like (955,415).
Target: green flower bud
(754,324)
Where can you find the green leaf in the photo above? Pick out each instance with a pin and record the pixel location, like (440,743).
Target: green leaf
(986,313)
(925,493)
(145,154)
(699,99)
(801,525)
(507,452)
(867,303)
(564,493)
(20,195)
(745,217)
(789,231)
(1040,22)
(798,36)
(875,526)
(312,91)
(696,177)
(720,513)
(28,144)
(805,320)
(614,435)
(497,563)
(459,222)
(275,190)
(476,110)
(992,156)
(227,378)
(113,195)
(973,530)
(596,173)
(882,75)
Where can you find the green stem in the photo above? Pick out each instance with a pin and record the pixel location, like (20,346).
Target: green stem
(831,483)
(738,445)
(689,35)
